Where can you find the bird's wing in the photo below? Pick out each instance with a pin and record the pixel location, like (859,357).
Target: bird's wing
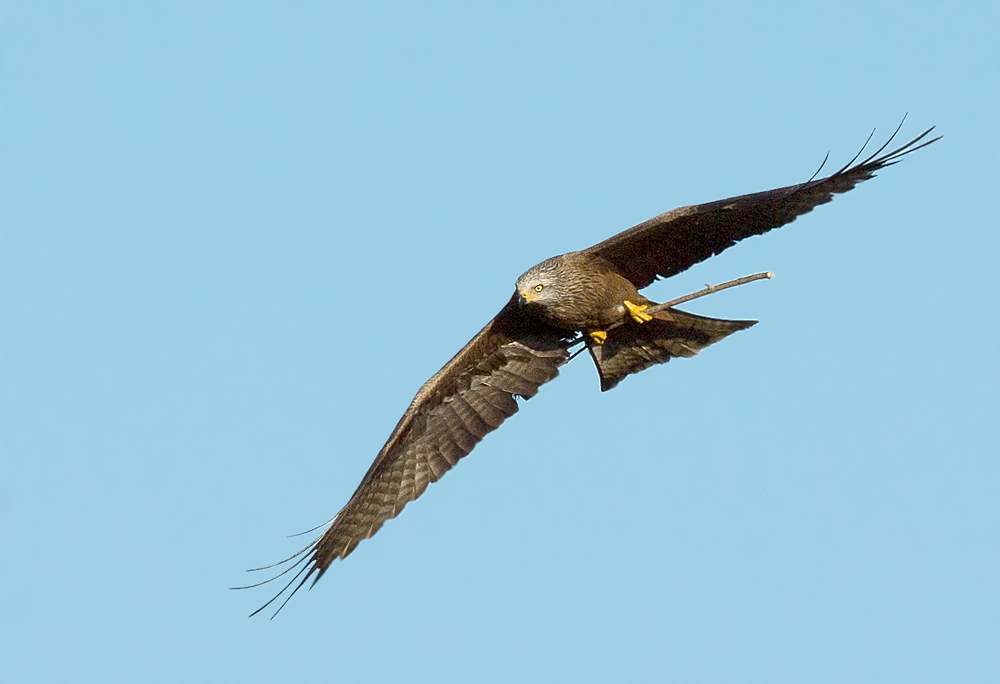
(673,242)
(464,401)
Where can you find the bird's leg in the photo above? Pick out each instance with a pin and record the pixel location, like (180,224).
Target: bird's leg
(598,336)
(638,312)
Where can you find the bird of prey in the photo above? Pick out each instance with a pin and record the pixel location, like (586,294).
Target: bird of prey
(590,297)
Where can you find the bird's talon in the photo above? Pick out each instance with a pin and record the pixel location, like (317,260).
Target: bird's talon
(599,336)
(638,312)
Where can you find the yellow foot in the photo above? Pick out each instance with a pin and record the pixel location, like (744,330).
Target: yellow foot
(638,312)
(598,336)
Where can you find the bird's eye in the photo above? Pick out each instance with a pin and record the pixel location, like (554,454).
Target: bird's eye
(539,287)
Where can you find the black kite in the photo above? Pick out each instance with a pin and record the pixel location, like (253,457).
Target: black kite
(558,303)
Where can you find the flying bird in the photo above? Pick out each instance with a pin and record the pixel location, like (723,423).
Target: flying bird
(590,297)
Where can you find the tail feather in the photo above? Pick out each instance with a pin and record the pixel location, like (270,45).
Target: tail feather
(672,333)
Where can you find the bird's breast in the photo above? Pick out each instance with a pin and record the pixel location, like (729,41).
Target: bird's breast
(594,301)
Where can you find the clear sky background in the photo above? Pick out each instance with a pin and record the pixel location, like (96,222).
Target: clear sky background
(235,240)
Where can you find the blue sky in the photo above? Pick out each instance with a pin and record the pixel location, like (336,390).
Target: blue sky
(234,241)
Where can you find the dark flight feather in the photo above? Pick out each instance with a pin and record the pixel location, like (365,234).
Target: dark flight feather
(467,399)
(677,240)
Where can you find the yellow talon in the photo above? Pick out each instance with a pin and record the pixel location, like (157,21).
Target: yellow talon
(599,336)
(638,312)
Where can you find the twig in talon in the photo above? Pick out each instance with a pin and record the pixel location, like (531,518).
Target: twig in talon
(709,289)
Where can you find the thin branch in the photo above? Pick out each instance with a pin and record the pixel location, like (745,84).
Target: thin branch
(710,289)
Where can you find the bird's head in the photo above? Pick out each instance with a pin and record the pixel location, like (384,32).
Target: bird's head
(541,285)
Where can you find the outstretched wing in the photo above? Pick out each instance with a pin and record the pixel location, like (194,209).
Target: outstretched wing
(673,242)
(467,399)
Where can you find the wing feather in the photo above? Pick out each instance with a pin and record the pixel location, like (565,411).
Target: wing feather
(466,400)
(676,240)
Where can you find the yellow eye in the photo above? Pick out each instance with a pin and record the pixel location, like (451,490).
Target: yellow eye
(538,288)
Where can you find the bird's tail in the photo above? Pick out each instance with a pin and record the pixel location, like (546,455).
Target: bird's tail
(672,333)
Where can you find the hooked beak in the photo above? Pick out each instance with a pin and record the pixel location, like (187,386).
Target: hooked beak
(527,296)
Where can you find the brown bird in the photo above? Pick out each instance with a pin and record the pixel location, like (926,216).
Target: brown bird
(591,296)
